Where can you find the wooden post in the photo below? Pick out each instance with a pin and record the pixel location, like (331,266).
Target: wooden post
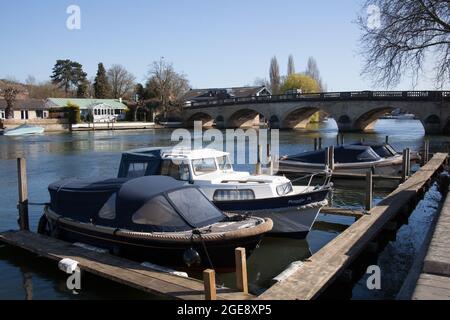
(258,162)
(209,279)
(404,166)
(320,143)
(387,140)
(338,139)
(241,270)
(408,162)
(315,144)
(369,190)
(342,139)
(23,194)
(426,151)
(331,157)
(362,140)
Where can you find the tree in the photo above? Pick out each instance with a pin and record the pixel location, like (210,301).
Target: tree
(312,70)
(291,66)
(274,74)
(300,81)
(167,85)
(9,90)
(102,89)
(121,81)
(399,35)
(67,74)
(83,89)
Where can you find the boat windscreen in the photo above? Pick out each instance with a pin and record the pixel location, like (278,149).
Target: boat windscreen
(195,207)
(159,215)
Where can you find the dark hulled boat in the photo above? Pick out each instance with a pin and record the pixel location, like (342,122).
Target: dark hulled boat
(152,218)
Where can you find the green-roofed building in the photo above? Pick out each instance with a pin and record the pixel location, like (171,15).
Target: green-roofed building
(102,110)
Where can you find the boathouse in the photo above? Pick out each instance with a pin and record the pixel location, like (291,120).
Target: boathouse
(101,110)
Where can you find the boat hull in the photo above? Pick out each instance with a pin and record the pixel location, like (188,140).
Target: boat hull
(22,132)
(385,167)
(292,216)
(165,253)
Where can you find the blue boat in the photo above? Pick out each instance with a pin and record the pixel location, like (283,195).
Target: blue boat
(24,129)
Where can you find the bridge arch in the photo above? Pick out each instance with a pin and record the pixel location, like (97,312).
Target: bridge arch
(245,118)
(432,124)
(298,118)
(367,120)
(206,119)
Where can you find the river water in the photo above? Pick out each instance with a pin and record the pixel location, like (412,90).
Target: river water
(52,157)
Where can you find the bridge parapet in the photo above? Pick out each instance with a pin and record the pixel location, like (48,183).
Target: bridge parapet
(328,96)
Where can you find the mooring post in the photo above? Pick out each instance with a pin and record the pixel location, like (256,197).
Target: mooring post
(320,143)
(338,139)
(426,151)
(23,194)
(387,140)
(408,162)
(258,169)
(404,166)
(361,140)
(241,270)
(331,158)
(209,280)
(315,144)
(342,139)
(369,190)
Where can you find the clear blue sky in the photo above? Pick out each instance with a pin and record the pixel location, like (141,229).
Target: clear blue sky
(216,43)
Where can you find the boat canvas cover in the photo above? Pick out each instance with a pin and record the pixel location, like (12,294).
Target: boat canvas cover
(146,204)
(81,199)
(342,154)
(151,158)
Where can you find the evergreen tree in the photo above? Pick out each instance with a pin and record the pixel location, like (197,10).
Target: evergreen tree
(83,89)
(67,74)
(102,89)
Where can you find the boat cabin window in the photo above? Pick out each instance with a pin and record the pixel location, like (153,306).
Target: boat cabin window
(233,195)
(204,166)
(195,207)
(176,170)
(224,163)
(108,211)
(159,212)
(136,169)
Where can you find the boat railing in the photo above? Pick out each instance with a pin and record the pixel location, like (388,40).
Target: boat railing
(327,172)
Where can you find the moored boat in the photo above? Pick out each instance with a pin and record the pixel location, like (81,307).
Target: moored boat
(381,159)
(24,129)
(293,209)
(154,218)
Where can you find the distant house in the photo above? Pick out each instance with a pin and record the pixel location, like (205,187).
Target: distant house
(101,110)
(26,109)
(201,95)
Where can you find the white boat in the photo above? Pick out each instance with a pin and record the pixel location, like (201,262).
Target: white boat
(293,209)
(24,129)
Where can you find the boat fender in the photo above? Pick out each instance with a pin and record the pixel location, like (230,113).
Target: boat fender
(68,265)
(42,226)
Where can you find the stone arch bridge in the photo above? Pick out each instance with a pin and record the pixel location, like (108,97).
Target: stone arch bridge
(352,111)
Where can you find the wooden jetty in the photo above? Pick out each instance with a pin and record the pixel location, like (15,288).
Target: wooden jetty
(117,269)
(325,266)
(433,282)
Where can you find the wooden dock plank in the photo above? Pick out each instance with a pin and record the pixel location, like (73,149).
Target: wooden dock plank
(432,287)
(318,272)
(116,269)
(342,212)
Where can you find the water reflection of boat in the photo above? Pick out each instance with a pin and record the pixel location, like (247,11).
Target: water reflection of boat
(382,159)
(155,218)
(24,129)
